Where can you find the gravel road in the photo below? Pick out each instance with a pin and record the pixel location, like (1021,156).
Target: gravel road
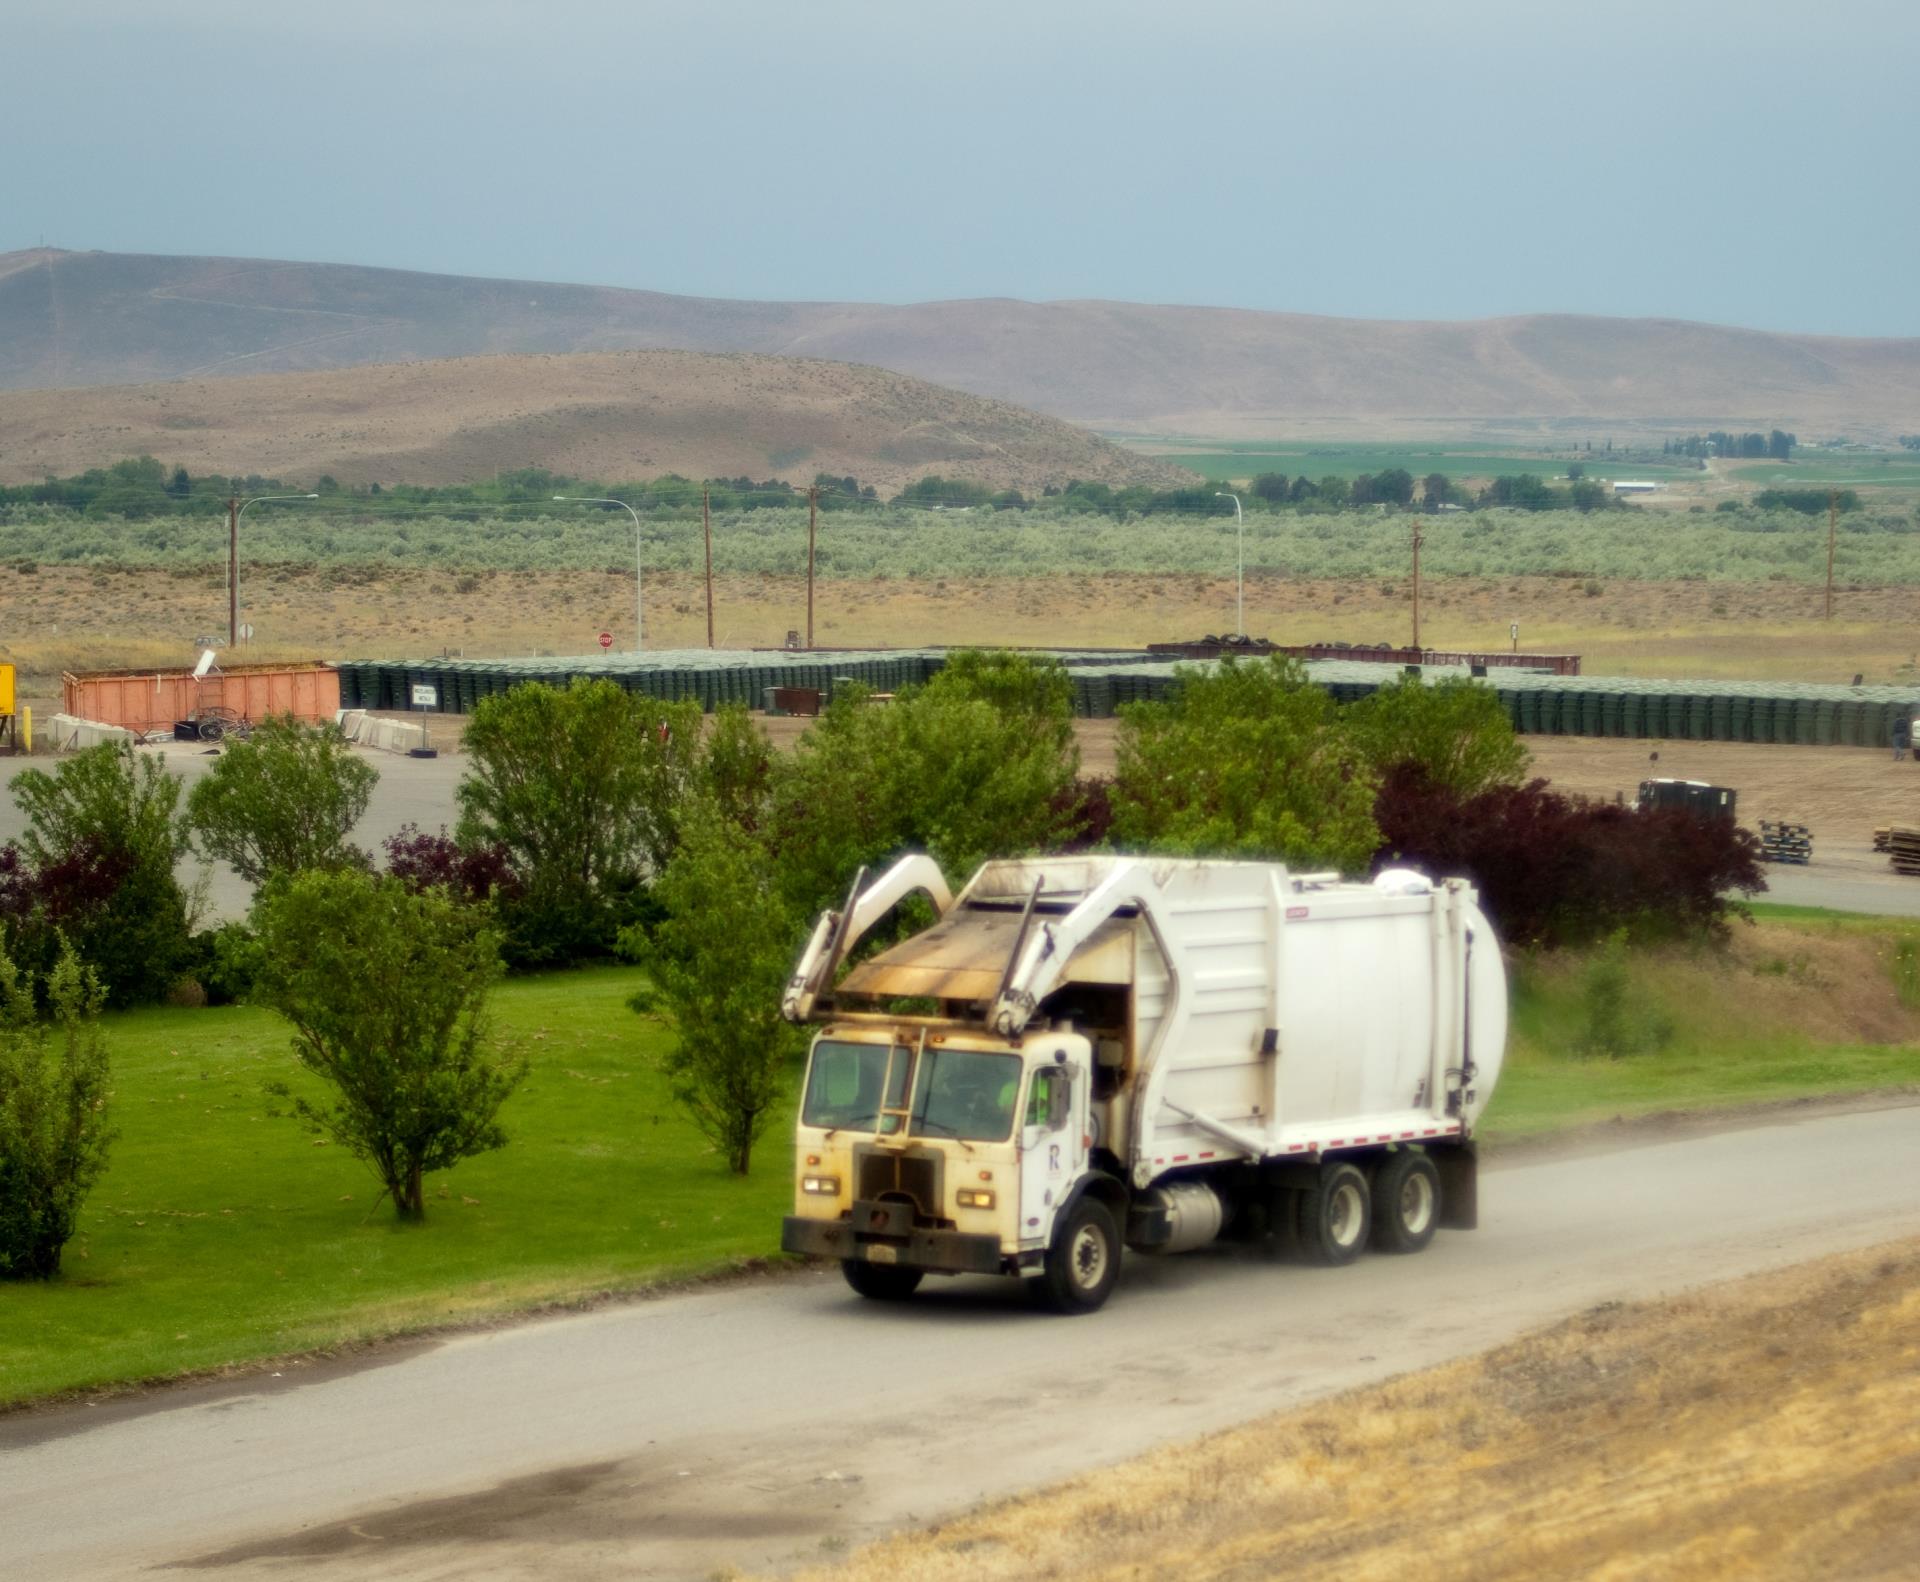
(770,1422)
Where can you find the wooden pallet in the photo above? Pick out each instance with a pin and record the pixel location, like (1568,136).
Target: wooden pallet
(1784,842)
(1903,848)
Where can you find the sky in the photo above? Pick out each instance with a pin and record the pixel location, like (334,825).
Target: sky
(1741,163)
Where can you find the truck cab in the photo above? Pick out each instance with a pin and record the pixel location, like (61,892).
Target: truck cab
(928,1148)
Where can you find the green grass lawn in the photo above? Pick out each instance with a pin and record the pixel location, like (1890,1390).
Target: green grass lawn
(1714,1057)
(220,1233)
(1893,470)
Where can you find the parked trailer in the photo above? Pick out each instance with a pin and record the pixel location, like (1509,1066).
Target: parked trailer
(1114,1051)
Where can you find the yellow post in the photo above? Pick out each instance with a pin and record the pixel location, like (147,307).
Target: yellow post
(26,729)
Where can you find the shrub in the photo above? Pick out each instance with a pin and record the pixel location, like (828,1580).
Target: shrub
(387,992)
(581,790)
(53,1113)
(1615,1026)
(1457,729)
(1556,870)
(283,801)
(96,864)
(471,873)
(1250,760)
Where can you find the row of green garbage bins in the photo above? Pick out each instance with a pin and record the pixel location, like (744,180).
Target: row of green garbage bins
(1573,707)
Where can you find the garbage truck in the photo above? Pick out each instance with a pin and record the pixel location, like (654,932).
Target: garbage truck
(1091,1054)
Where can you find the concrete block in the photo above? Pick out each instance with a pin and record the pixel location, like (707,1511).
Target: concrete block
(69,733)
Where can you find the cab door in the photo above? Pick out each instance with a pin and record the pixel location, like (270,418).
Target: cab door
(1053,1139)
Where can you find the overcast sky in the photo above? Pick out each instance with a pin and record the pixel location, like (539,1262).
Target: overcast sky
(1747,163)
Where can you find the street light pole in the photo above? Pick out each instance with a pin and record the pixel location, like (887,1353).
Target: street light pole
(1240,576)
(639,641)
(237,508)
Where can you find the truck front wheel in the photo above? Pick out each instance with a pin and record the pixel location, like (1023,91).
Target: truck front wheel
(881,1282)
(1334,1215)
(1083,1261)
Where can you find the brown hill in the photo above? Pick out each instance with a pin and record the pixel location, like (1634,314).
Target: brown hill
(593,415)
(93,318)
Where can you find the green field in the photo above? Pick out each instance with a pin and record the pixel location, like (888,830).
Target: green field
(221,1234)
(1226,461)
(1890,471)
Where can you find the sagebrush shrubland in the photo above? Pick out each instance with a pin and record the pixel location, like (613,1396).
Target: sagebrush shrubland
(1875,548)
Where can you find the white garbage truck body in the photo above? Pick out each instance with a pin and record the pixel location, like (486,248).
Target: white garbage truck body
(1089,1052)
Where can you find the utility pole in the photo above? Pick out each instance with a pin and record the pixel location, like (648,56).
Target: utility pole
(706,527)
(1833,528)
(813,517)
(233,570)
(1418,539)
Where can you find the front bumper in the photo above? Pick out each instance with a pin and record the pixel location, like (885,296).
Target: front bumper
(900,1242)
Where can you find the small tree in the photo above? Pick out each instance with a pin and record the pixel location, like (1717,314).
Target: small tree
(282,802)
(53,1113)
(581,789)
(1249,760)
(718,960)
(110,816)
(387,990)
(1458,730)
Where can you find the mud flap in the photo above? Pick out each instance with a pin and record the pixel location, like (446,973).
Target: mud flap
(1459,1167)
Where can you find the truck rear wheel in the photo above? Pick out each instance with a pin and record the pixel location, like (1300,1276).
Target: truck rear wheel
(1334,1215)
(1083,1261)
(1406,1202)
(881,1282)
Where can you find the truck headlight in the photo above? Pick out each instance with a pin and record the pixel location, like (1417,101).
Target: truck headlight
(971,1199)
(829,1186)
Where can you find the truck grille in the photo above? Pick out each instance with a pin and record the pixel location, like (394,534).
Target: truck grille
(882,1173)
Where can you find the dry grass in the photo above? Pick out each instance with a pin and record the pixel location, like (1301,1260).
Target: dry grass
(1762,1430)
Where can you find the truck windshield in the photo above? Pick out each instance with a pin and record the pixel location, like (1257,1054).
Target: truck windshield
(843,1089)
(965,1093)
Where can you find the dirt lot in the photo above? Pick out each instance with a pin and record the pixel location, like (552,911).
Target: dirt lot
(1761,1430)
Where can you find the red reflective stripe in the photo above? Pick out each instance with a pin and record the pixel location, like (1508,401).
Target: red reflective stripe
(1206,1156)
(1181,1159)
(1431,1131)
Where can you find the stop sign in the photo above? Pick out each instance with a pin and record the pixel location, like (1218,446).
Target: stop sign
(606,639)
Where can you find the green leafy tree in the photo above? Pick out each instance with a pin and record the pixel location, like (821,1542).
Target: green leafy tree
(1248,760)
(1273,487)
(115,812)
(979,762)
(283,801)
(1457,730)
(387,993)
(581,788)
(54,1134)
(717,961)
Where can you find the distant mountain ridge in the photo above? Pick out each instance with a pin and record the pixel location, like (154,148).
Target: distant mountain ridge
(603,415)
(71,319)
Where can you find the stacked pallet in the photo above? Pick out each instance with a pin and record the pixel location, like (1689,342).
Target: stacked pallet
(1881,838)
(1903,846)
(1784,842)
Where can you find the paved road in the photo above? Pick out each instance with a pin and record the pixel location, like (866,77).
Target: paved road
(1894,895)
(750,1426)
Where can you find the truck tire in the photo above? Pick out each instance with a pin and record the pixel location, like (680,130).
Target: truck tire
(881,1282)
(1083,1262)
(1334,1215)
(1406,1202)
